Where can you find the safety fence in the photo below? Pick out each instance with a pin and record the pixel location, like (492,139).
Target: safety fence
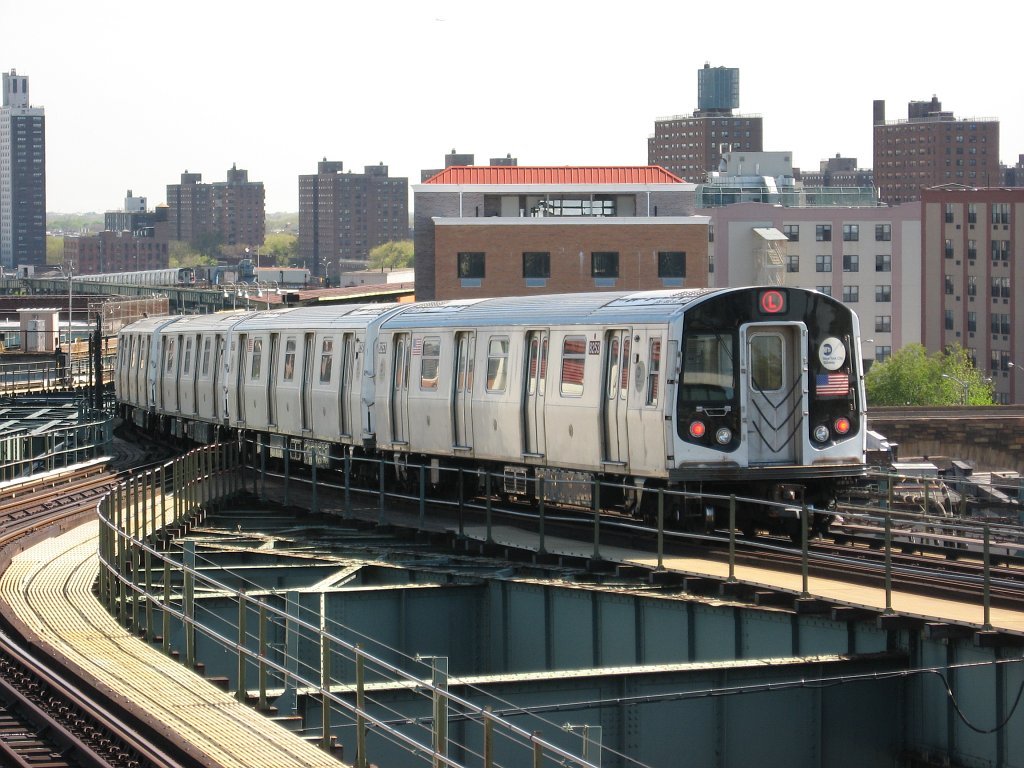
(55,373)
(28,449)
(149,579)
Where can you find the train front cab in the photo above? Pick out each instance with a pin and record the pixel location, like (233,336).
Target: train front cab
(769,402)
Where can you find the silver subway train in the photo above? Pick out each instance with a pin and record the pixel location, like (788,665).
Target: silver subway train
(750,391)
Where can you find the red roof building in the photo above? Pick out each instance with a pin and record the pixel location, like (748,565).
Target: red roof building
(484,231)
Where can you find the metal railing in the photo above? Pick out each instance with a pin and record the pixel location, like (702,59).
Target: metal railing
(149,581)
(25,452)
(46,375)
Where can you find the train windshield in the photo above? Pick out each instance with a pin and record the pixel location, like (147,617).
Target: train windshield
(708,375)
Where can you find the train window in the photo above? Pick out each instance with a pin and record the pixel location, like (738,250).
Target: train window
(653,370)
(708,368)
(187,361)
(766,362)
(326,360)
(289,360)
(170,356)
(430,362)
(497,363)
(574,358)
(206,357)
(257,358)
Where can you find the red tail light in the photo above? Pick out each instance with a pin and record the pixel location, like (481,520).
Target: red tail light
(842,425)
(697,429)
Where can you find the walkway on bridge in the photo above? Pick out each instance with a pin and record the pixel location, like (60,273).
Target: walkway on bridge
(48,588)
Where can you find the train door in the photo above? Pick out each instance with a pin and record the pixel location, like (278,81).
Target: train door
(177,374)
(272,381)
(195,376)
(462,413)
(616,388)
(240,375)
(307,382)
(774,394)
(533,392)
(347,363)
(218,362)
(400,389)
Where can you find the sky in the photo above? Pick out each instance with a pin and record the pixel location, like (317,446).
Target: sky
(136,93)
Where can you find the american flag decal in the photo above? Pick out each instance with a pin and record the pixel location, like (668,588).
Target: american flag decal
(832,384)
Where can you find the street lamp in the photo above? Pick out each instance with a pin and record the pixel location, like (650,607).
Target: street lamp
(961,382)
(67,270)
(259,290)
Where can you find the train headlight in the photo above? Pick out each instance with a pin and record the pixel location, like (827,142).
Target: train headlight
(821,433)
(842,425)
(723,436)
(697,429)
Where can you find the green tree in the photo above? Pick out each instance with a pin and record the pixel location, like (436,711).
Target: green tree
(281,248)
(397,254)
(181,254)
(913,377)
(54,249)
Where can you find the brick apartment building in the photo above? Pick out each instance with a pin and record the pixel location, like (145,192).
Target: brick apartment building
(971,286)
(692,145)
(930,148)
(343,216)
(484,231)
(132,240)
(232,211)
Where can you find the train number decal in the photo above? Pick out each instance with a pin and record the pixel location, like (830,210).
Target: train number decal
(594,347)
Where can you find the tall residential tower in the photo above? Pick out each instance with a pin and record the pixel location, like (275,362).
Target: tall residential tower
(22,176)
(691,145)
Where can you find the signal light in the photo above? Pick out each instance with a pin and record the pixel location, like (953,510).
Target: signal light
(697,429)
(842,425)
(821,433)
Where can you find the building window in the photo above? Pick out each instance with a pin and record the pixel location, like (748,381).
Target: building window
(950,207)
(883,323)
(1000,287)
(823,263)
(883,263)
(536,264)
(825,289)
(792,232)
(883,353)
(948,319)
(851,263)
(574,358)
(972,285)
(671,264)
(972,249)
(1000,323)
(604,264)
(1000,250)
(711,233)
(972,322)
(883,293)
(823,233)
(851,232)
(851,294)
(1000,213)
(948,284)
(972,211)
(793,262)
(883,232)
(430,362)
(948,248)
(471,266)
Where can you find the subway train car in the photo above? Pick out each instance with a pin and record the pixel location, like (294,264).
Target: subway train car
(753,391)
